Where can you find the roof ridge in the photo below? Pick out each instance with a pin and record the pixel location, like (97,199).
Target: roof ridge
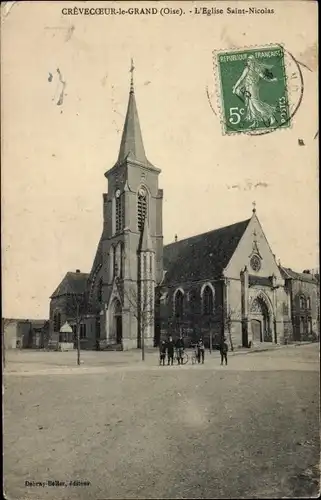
(294,274)
(208,232)
(77,273)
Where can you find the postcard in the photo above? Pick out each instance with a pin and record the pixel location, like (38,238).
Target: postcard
(160,249)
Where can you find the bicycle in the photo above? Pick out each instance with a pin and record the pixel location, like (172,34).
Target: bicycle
(184,357)
(194,356)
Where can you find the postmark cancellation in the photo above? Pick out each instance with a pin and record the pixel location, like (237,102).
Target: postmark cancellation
(259,89)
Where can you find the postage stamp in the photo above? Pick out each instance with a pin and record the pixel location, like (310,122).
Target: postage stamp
(253,90)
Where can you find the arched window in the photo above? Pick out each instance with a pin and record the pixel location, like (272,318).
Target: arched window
(179,304)
(114,257)
(208,300)
(111,261)
(308,303)
(119,211)
(141,208)
(302,302)
(122,259)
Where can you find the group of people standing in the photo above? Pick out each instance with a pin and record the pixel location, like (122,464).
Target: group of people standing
(170,346)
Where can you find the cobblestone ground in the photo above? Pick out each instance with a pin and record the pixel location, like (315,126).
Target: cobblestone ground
(133,430)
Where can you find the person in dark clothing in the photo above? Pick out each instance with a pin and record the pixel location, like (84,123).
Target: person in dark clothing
(180,349)
(162,354)
(170,351)
(223,350)
(200,351)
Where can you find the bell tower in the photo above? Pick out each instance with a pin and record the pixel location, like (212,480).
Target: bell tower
(132,238)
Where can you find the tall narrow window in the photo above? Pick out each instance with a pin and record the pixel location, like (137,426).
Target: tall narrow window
(302,325)
(122,259)
(83,333)
(119,211)
(141,208)
(310,325)
(208,302)
(302,302)
(308,303)
(115,267)
(179,304)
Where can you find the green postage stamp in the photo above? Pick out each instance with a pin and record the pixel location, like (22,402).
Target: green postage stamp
(253,90)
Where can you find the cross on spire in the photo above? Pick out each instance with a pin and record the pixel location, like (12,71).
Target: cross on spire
(132,67)
(254,207)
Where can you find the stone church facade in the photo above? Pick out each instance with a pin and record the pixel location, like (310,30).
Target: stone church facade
(224,282)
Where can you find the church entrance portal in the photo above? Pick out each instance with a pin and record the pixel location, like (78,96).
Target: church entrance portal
(119,330)
(260,321)
(117,333)
(256,327)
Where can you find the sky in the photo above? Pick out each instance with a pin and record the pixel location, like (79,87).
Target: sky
(54,156)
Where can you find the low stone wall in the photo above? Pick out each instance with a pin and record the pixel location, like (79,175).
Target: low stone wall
(65,346)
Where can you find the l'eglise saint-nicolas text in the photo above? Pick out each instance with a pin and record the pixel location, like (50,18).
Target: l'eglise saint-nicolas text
(210,11)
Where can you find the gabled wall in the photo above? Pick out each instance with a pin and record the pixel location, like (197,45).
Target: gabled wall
(244,251)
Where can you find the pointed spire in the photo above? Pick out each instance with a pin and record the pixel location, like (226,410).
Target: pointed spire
(132,146)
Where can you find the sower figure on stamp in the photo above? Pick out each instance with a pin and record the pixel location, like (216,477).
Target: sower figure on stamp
(223,350)
(162,353)
(247,87)
(170,351)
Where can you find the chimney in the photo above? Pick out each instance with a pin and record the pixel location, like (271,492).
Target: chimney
(77,271)
(175,238)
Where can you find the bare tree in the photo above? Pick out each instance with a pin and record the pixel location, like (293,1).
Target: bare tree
(229,327)
(232,314)
(142,308)
(76,311)
(5,322)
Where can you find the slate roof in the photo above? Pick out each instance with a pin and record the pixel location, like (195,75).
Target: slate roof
(98,260)
(288,273)
(204,256)
(72,283)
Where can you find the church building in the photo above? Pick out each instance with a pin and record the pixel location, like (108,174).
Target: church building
(223,282)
